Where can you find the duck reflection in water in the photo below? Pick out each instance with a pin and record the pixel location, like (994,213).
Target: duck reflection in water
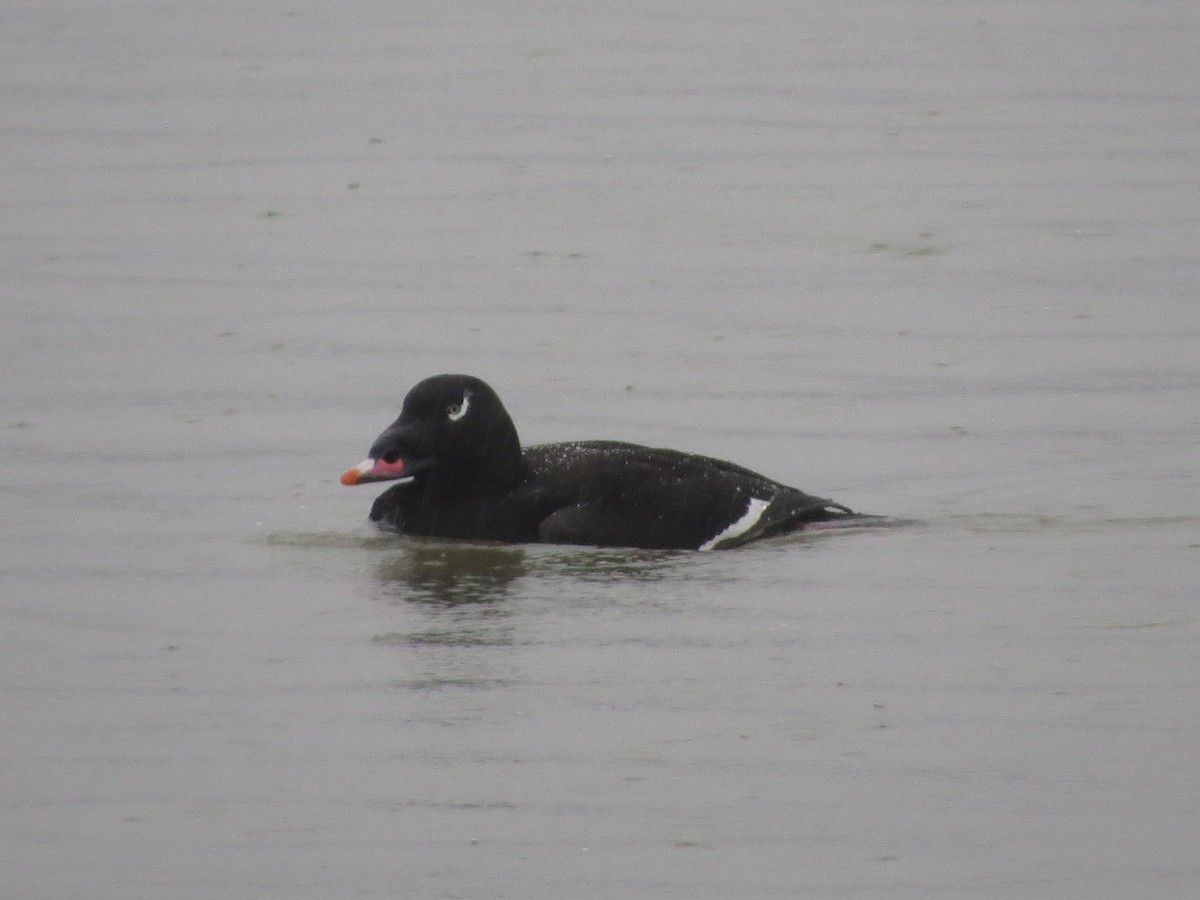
(450,574)
(462,598)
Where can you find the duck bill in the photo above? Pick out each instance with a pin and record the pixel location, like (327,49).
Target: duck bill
(380,470)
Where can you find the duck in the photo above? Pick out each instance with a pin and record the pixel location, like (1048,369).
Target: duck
(462,474)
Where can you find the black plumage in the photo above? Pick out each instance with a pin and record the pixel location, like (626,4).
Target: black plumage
(464,475)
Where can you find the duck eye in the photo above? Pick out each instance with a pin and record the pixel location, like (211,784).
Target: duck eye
(456,411)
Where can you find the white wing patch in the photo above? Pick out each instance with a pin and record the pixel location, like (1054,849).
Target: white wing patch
(748,520)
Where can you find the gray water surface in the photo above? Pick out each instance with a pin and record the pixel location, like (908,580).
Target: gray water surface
(933,260)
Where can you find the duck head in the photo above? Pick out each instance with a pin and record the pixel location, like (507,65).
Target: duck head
(452,429)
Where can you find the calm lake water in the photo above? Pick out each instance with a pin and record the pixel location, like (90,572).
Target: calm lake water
(933,260)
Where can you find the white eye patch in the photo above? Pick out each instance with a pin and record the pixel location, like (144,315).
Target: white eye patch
(456,411)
